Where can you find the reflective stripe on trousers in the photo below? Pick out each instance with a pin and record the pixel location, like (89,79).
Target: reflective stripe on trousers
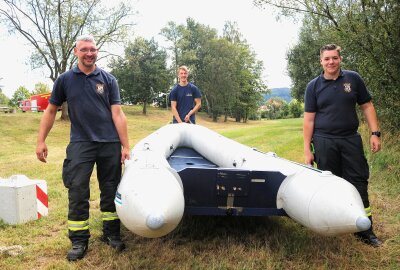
(74,225)
(107,216)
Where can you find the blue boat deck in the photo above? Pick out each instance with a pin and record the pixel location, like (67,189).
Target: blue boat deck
(212,190)
(183,158)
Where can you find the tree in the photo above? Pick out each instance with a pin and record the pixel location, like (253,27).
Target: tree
(295,108)
(51,28)
(248,74)
(250,83)
(303,61)
(3,98)
(275,108)
(187,42)
(216,76)
(232,34)
(230,78)
(142,74)
(41,88)
(173,33)
(194,37)
(20,94)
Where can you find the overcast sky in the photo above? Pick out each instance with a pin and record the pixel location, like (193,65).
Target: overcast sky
(267,37)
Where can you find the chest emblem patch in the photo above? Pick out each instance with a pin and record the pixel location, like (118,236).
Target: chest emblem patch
(347,87)
(100,88)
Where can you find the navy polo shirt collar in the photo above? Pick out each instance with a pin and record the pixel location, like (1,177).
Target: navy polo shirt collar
(341,74)
(95,72)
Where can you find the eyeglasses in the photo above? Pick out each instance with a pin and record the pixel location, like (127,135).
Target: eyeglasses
(86,50)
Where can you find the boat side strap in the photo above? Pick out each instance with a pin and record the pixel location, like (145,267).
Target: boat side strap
(229,200)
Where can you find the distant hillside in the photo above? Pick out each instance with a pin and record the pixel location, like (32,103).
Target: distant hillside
(283,93)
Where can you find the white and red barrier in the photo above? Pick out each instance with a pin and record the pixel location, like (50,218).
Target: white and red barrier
(42,198)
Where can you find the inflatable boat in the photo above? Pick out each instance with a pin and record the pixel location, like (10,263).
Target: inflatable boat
(186,168)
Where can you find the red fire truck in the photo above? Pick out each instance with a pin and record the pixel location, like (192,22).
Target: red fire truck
(36,103)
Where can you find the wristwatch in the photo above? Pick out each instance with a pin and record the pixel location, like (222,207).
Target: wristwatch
(376,133)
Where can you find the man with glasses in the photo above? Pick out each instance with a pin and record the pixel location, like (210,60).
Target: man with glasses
(331,123)
(98,136)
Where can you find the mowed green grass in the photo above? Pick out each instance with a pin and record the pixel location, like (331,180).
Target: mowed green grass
(198,242)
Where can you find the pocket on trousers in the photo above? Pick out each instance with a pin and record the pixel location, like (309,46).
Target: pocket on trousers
(66,175)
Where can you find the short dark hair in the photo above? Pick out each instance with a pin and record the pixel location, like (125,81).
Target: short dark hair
(330,47)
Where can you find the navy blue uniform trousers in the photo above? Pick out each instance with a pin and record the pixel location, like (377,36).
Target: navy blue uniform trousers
(345,158)
(77,169)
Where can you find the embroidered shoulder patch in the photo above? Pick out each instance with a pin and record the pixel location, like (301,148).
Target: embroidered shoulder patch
(347,87)
(100,88)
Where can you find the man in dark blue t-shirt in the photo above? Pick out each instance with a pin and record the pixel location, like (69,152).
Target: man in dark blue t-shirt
(98,136)
(185,98)
(331,123)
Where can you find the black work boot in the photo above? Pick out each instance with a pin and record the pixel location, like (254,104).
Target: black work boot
(114,242)
(368,237)
(77,252)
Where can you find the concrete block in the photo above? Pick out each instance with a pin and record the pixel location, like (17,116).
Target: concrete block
(22,199)
(17,201)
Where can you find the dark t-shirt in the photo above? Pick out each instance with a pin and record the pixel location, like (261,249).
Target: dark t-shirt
(89,100)
(334,102)
(184,97)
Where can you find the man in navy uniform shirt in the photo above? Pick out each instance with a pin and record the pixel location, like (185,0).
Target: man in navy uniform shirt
(98,136)
(331,123)
(185,98)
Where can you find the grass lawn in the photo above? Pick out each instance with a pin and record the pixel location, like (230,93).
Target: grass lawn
(198,242)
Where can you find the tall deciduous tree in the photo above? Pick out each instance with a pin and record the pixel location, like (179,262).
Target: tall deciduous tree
(192,36)
(3,99)
(248,75)
(51,28)
(230,77)
(275,108)
(142,74)
(216,76)
(41,88)
(173,33)
(232,34)
(250,83)
(20,94)
(194,39)
(187,42)
(295,108)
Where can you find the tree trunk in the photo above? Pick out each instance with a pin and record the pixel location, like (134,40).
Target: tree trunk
(64,112)
(207,103)
(237,118)
(215,116)
(144,108)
